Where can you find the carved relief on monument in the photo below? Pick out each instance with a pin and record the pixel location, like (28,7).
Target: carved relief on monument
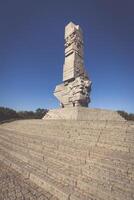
(76,85)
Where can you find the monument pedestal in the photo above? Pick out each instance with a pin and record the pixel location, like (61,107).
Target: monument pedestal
(82,113)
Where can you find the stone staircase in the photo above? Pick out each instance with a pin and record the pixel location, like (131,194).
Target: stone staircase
(82,114)
(73,160)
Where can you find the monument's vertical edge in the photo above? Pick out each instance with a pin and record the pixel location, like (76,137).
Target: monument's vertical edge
(74,91)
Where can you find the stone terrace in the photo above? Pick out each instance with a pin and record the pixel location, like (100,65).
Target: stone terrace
(14,187)
(72,160)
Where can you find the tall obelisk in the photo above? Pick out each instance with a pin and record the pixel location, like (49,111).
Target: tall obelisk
(74,91)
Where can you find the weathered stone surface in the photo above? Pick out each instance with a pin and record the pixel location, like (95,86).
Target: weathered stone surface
(81,113)
(13,186)
(72,159)
(74,91)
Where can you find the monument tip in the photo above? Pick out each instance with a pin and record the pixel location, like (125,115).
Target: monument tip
(71,24)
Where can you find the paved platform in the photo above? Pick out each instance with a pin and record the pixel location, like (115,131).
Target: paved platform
(14,187)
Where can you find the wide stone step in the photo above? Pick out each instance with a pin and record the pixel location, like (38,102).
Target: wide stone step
(108,190)
(39,125)
(117,140)
(58,156)
(82,133)
(60,143)
(44,151)
(103,175)
(60,170)
(29,154)
(86,188)
(45,181)
(77,160)
(108,152)
(92,136)
(90,171)
(35,175)
(102,150)
(52,143)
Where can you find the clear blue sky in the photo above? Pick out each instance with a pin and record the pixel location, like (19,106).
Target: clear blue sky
(32,51)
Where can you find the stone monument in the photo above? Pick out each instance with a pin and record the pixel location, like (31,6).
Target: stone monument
(74,91)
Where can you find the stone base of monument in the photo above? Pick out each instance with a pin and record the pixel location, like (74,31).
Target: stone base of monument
(82,113)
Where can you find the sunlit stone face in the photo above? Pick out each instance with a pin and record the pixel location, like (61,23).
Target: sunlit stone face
(74,91)
(73,65)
